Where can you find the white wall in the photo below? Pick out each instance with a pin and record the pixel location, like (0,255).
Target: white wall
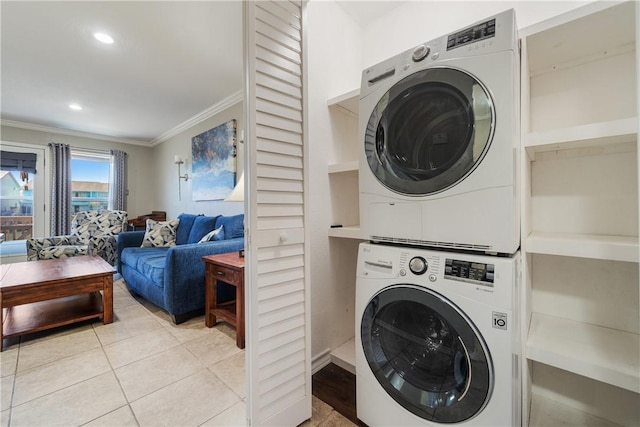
(140,199)
(165,171)
(334,66)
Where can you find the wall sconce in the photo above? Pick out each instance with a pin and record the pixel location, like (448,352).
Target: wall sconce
(178,161)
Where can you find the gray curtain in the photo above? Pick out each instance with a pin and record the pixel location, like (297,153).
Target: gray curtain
(61,189)
(118,193)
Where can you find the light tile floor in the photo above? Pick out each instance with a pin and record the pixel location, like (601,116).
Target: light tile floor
(141,370)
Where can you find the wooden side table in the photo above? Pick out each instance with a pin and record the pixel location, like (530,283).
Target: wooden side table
(228,268)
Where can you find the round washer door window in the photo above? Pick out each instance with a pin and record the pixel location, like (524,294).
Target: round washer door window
(427,354)
(429,131)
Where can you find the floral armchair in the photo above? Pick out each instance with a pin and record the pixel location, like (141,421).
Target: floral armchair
(92,233)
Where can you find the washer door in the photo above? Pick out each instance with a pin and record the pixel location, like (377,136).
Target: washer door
(427,354)
(429,131)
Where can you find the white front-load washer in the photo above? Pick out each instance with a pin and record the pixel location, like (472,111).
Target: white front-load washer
(439,134)
(436,338)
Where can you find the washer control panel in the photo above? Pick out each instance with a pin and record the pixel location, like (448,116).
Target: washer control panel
(468,271)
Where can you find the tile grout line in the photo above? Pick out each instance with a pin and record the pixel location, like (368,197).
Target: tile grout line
(126,398)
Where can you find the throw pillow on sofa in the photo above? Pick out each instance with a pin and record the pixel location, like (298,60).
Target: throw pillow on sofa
(160,234)
(233,226)
(201,226)
(214,235)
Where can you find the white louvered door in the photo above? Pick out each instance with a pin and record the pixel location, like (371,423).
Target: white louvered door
(277,263)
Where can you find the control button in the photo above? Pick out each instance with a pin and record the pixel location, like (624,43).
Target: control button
(447,270)
(420,53)
(405,67)
(433,277)
(491,268)
(489,277)
(435,55)
(403,272)
(418,265)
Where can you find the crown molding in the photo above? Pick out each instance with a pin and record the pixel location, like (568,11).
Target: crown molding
(69,132)
(200,117)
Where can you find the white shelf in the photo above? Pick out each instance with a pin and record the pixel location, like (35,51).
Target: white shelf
(549,412)
(614,248)
(345,356)
(591,135)
(344,167)
(603,354)
(348,232)
(571,38)
(348,101)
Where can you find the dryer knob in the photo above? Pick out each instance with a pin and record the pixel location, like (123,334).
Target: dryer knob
(420,53)
(418,265)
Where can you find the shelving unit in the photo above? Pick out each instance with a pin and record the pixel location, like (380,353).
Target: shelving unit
(344,193)
(581,320)
(343,175)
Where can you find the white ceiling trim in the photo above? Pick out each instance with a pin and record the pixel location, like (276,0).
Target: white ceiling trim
(69,132)
(200,117)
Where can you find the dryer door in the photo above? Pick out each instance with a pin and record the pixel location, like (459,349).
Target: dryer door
(427,354)
(429,131)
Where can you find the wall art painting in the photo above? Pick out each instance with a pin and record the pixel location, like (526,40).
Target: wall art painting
(214,162)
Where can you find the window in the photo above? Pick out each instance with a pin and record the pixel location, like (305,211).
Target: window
(89,181)
(22,196)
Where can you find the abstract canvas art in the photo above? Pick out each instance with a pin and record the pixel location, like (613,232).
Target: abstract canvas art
(214,162)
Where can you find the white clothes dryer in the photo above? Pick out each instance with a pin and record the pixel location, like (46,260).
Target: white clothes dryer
(436,338)
(439,125)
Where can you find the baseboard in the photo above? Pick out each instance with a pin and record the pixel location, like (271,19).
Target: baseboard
(321,360)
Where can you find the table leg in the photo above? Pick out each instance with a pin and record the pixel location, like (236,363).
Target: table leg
(240,315)
(107,300)
(210,299)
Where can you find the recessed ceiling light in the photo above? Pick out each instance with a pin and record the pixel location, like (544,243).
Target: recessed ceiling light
(104,38)
(76,107)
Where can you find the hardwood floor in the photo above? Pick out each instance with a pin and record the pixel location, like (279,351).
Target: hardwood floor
(337,387)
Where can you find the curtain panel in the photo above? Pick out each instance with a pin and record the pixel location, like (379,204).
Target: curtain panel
(118,193)
(60,189)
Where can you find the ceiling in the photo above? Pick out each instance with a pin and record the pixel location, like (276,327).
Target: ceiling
(171,62)
(365,11)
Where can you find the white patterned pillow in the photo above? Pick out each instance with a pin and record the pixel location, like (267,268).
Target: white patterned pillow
(160,234)
(217,234)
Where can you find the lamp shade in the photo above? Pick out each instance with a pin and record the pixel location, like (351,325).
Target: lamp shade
(237,194)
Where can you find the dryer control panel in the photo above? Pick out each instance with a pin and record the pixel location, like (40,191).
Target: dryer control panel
(478,32)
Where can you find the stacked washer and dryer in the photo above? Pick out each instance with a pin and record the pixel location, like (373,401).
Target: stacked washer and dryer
(437,289)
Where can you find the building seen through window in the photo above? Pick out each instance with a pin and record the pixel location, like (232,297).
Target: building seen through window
(89,183)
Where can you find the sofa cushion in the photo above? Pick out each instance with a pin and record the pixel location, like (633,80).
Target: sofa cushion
(148,261)
(214,235)
(184,228)
(201,226)
(160,233)
(233,226)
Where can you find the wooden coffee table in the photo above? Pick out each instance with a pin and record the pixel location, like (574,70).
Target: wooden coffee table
(38,295)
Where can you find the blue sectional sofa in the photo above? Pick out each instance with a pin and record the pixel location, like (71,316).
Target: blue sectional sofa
(173,277)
